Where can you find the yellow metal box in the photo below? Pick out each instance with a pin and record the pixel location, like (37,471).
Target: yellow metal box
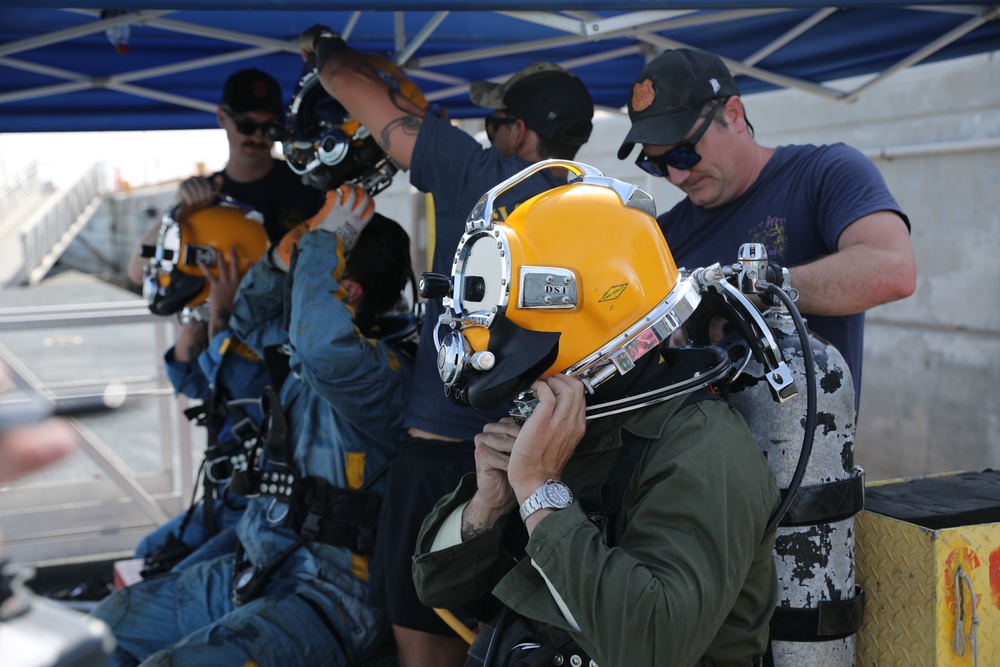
(928,557)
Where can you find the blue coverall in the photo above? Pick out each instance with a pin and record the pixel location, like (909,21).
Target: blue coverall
(343,401)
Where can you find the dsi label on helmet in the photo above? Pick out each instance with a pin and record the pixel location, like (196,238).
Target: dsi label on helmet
(199,253)
(614,292)
(547,287)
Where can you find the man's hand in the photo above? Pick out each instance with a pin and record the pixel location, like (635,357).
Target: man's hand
(27,449)
(221,290)
(493,447)
(346,212)
(196,193)
(199,191)
(494,497)
(549,436)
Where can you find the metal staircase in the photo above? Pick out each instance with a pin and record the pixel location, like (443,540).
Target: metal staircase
(38,224)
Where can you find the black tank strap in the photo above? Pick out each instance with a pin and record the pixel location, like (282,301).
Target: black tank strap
(827,621)
(826,503)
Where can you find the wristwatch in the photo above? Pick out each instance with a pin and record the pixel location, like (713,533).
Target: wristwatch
(552,495)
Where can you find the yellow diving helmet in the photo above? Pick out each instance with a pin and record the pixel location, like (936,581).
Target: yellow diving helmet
(173,280)
(577,280)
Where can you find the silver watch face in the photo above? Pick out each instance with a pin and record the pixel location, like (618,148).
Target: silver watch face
(558,494)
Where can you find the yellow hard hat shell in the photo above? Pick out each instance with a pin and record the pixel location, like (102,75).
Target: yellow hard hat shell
(610,266)
(219,228)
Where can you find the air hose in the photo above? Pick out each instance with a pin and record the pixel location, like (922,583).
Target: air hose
(810,427)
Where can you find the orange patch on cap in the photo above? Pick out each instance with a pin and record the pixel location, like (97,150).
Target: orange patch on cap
(259,89)
(643,95)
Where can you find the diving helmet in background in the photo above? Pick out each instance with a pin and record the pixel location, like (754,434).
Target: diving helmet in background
(577,280)
(327,146)
(173,281)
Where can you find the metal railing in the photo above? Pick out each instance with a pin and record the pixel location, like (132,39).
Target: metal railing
(21,188)
(109,510)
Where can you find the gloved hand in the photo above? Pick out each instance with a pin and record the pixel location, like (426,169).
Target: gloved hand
(320,42)
(346,212)
(281,254)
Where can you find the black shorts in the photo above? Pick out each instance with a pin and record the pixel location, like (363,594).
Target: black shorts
(422,472)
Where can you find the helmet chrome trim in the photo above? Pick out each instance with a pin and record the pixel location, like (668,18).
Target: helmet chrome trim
(463,300)
(481,216)
(619,355)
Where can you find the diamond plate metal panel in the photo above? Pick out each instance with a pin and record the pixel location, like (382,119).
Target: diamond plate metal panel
(908,572)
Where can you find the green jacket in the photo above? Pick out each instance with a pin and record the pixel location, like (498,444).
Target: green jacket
(690,580)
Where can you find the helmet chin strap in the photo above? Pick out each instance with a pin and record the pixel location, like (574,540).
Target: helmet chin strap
(679,371)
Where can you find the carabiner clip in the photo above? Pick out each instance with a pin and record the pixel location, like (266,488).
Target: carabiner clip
(274,521)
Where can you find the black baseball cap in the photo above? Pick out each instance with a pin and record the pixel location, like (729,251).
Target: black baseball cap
(252,90)
(669,94)
(551,101)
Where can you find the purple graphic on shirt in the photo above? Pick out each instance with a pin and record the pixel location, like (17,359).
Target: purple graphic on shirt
(771,234)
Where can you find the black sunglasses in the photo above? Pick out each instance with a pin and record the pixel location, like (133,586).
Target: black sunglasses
(270,128)
(683,157)
(493,122)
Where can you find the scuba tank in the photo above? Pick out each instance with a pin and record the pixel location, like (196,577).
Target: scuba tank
(809,443)
(819,609)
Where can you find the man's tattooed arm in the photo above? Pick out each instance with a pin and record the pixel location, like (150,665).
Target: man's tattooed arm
(409,123)
(477,520)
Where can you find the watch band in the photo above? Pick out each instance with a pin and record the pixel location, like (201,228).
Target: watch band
(553,494)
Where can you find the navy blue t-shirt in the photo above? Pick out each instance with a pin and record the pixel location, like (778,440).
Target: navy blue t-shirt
(457,171)
(797,208)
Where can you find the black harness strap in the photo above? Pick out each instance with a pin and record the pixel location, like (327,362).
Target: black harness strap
(249,581)
(275,434)
(277,366)
(327,623)
(322,512)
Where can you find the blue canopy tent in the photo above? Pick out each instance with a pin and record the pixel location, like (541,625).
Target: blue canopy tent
(59,70)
